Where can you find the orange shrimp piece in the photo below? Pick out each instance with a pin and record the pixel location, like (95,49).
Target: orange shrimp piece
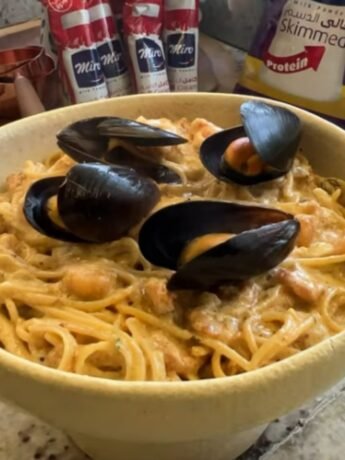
(88,282)
(300,284)
(307,230)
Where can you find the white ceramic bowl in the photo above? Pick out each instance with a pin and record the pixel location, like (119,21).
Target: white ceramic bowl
(203,420)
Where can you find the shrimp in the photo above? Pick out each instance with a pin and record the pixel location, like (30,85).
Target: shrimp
(201,129)
(300,284)
(307,231)
(214,324)
(88,282)
(161,301)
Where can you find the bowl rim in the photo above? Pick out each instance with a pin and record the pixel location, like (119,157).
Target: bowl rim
(97,385)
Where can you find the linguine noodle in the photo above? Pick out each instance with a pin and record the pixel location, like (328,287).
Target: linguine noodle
(104,311)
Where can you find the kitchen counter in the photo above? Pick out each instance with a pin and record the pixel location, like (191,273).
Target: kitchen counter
(315,432)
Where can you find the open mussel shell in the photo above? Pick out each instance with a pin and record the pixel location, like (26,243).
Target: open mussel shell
(273,131)
(97,203)
(82,141)
(261,239)
(88,132)
(87,141)
(101,203)
(156,171)
(138,133)
(212,151)
(36,210)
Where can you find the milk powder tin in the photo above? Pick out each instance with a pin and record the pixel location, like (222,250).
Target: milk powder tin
(298,56)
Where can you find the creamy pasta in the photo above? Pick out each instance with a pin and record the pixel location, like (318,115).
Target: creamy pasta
(105,311)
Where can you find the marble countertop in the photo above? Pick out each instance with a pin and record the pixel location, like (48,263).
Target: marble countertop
(315,432)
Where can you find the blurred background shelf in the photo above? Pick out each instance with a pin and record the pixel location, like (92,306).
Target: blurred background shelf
(18,35)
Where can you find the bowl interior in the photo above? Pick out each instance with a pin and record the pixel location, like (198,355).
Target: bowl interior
(34,138)
(203,407)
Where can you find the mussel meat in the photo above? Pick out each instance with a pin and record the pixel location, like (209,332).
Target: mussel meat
(95,203)
(91,140)
(210,243)
(261,150)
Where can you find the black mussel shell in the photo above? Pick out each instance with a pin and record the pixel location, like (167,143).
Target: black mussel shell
(261,250)
(274,133)
(82,141)
(92,135)
(97,203)
(87,141)
(212,151)
(36,213)
(156,171)
(264,238)
(138,133)
(100,203)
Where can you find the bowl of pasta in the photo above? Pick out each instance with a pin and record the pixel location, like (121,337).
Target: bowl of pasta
(172,270)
